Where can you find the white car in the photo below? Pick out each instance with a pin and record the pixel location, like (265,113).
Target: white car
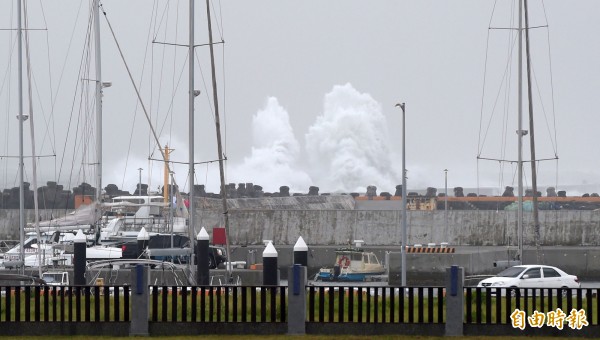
(531,276)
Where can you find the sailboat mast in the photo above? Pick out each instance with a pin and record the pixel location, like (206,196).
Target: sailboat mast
(191,227)
(96,10)
(536,222)
(21,118)
(33,159)
(219,144)
(520,134)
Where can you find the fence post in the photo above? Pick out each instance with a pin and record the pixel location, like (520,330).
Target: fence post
(454,301)
(296,300)
(139,301)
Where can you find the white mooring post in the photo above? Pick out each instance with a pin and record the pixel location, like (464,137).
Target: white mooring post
(270,271)
(143,239)
(301,252)
(79,254)
(202,253)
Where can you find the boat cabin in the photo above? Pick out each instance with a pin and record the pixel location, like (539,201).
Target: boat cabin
(356,259)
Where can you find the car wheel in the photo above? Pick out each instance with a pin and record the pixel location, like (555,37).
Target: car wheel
(211,262)
(564,291)
(514,292)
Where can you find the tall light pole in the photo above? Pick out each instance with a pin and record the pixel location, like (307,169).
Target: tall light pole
(446,201)
(140,182)
(404,237)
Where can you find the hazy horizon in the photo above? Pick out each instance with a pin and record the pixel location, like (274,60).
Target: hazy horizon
(307,94)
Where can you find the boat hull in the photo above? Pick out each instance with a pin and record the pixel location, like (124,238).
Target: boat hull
(347,277)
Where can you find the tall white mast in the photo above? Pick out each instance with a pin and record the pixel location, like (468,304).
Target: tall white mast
(191,96)
(96,11)
(21,118)
(33,158)
(520,134)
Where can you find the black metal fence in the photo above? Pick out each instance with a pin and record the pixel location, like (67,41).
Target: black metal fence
(496,305)
(218,304)
(223,304)
(65,304)
(376,304)
(181,309)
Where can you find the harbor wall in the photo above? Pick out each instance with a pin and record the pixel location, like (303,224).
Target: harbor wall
(380,227)
(383,227)
(430,268)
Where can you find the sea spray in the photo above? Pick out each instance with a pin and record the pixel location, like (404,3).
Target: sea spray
(347,146)
(273,159)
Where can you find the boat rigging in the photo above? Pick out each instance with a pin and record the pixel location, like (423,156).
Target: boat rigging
(519,36)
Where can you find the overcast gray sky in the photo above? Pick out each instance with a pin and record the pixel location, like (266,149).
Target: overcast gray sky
(307,92)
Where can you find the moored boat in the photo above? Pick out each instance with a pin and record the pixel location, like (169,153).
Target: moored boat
(353,264)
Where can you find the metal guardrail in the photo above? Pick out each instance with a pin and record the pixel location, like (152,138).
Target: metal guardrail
(387,308)
(218,304)
(369,304)
(496,305)
(66,304)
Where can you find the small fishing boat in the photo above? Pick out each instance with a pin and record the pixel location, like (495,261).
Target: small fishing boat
(353,264)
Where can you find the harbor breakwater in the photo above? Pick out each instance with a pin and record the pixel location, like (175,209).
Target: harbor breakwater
(338,220)
(569,238)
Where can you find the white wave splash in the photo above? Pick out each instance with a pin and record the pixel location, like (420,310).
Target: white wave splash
(272,162)
(347,146)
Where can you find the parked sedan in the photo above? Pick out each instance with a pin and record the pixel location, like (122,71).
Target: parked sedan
(531,276)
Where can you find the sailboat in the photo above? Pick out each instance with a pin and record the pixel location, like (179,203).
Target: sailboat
(33,248)
(164,151)
(44,251)
(37,250)
(523,30)
(22,118)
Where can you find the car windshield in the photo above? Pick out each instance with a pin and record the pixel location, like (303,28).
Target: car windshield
(511,272)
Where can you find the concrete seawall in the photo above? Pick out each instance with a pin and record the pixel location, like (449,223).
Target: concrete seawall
(465,228)
(570,238)
(425,268)
(380,227)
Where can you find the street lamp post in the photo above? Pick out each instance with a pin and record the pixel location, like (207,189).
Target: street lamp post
(404,237)
(140,182)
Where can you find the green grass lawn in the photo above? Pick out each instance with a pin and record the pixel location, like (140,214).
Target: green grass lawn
(275,337)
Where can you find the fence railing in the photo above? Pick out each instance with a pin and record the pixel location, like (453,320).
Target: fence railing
(382,304)
(495,305)
(223,304)
(218,304)
(392,309)
(65,304)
